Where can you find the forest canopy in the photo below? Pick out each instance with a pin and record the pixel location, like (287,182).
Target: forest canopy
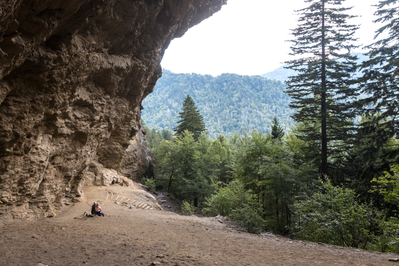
(229,103)
(334,176)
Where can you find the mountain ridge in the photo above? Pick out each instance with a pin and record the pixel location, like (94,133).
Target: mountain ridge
(282,73)
(229,102)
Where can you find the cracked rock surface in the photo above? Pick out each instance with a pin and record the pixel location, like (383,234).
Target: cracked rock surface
(73,75)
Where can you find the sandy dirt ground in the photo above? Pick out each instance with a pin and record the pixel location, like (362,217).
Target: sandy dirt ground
(154,237)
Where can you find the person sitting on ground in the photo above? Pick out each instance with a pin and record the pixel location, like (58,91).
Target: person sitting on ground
(93,208)
(96,209)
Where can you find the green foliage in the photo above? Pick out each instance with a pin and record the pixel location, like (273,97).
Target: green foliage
(372,153)
(321,91)
(228,102)
(189,168)
(379,82)
(376,149)
(248,217)
(259,181)
(277,130)
(190,119)
(166,134)
(227,199)
(149,182)
(334,216)
(154,137)
(276,174)
(187,208)
(388,240)
(235,201)
(268,180)
(388,185)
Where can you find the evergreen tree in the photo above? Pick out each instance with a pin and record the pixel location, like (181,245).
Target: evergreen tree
(368,159)
(227,102)
(380,73)
(376,149)
(166,134)
(190,119)
(277,130)
(321,91)
(189,168)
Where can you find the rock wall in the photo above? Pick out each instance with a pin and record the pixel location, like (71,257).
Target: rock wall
(72,77)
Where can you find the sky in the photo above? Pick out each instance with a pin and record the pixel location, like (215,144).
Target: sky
(249,37)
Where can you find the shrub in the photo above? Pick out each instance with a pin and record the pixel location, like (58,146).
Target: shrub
(187,208)
(388,240)
(388,185)
(235,201)
(150,182)
(335,217)
(247,216)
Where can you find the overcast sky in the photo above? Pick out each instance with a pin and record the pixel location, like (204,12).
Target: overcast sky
(248,37)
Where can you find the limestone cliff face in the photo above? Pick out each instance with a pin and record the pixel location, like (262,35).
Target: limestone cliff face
(72,78)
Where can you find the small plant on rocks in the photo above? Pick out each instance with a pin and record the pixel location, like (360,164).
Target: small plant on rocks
(150,182)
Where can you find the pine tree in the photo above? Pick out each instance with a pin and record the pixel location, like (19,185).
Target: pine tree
(166,134)
(376,148)
(190,119)
(321,92)
(380,80)
(277,130)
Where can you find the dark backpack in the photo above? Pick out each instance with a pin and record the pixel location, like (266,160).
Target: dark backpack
(93,209)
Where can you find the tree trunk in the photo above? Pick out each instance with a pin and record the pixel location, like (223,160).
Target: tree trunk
(277,214)
(170,179)
(323,99)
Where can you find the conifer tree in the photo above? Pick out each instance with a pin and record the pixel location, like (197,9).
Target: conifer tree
(190,119)
(321,92)
(380,79)
(277,130)
(166,134)
(376,148)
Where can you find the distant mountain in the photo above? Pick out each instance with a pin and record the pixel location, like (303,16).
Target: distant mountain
(282,74)
(228,102)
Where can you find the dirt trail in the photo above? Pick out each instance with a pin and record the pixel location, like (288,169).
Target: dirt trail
(154,237)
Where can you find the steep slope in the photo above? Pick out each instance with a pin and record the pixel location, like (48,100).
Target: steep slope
(72,77)
(228,102)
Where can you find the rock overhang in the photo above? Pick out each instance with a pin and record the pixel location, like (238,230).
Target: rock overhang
(72,77)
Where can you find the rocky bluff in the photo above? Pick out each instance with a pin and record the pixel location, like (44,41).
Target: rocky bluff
(73,75)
